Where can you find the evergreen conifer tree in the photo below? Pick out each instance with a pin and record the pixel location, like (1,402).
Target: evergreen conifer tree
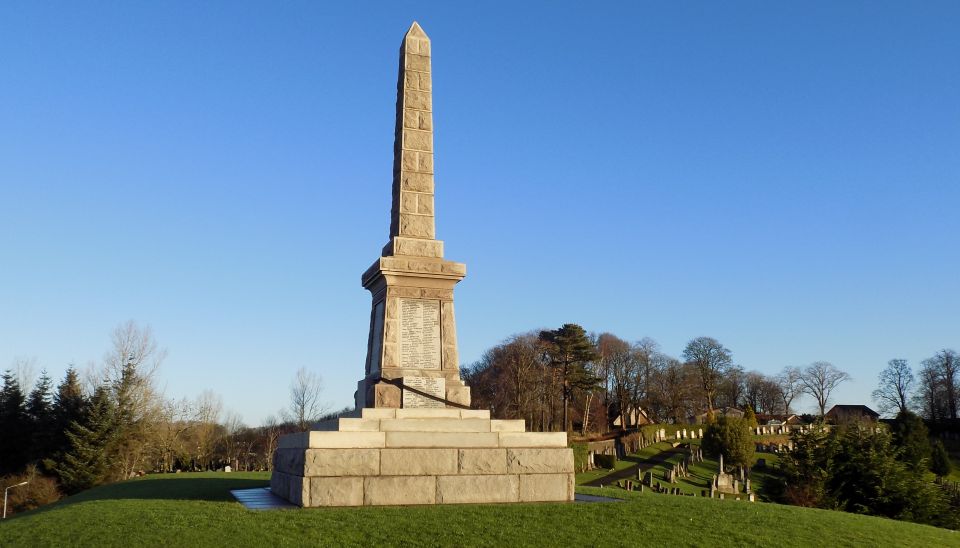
(69,405)
(750,417)
(911,438)
(14,425)
(569,350)
(940,461)
(41,421)
(86,463)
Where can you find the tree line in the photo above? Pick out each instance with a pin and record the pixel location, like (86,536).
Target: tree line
(934,393)
(114,424)
(554,378)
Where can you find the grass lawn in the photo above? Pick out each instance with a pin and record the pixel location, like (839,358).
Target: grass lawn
(197,510)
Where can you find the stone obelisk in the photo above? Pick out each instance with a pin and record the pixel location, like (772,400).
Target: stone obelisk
(412,348)
(412,439)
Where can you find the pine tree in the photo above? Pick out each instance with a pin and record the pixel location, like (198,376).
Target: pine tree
(86,463)
(570,350)
(14,426)
(41,420)
(911,438)
(69,405)
(940,461)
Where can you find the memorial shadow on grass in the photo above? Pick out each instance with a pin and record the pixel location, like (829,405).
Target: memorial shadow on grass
(205,486)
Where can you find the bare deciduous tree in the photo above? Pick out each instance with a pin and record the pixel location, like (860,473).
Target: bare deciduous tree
(711,359)
(271,436)
(789,386)
(947,363)
(305,403)
(206,415)
(732,387)
(129,369)
(25,371)
(819,380)
(619,364)
(896,381)
(930,399)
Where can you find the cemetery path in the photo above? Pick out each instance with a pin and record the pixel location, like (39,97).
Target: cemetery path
(642,465)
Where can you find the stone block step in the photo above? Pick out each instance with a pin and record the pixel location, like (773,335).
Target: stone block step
(406,461)
(415,425)
(420,438)
(423,413)
(429,425)
(427,489)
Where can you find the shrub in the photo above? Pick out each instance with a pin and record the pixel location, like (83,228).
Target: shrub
(731,438)
(580,456)
(856,469)
(39,490)
(911,438)
(605,461)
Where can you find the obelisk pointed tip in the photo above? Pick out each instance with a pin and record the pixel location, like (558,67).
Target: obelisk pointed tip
(416,31)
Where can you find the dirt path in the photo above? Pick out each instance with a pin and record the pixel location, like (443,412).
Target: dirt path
(642,464)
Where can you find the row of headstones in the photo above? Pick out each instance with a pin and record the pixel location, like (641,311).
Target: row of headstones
(676,472)
(774,447)
(633,444)
(661,435)
(782,429)
(657,488)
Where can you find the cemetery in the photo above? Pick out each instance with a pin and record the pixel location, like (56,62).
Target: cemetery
(678,467)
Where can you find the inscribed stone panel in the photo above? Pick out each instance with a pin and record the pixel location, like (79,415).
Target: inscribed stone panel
(419,334)
(435,386)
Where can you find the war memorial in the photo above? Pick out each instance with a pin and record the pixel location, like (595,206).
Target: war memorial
(413,438)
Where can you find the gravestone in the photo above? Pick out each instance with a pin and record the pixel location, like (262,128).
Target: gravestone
(412,438)
(723,482)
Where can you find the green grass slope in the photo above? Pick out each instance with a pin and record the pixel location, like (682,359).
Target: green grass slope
(197,510)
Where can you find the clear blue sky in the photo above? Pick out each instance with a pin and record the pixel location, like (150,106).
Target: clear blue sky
(784,178)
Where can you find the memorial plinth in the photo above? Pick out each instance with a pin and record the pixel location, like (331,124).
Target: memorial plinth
(414,439)
(423,456)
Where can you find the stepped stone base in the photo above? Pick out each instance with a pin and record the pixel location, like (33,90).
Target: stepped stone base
(422,456)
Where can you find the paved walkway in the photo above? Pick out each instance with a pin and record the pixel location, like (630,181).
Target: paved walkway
(260,498)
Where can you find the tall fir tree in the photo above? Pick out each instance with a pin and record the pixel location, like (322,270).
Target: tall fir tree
(14,426)
(69,405)
(86,461)
(41,421)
